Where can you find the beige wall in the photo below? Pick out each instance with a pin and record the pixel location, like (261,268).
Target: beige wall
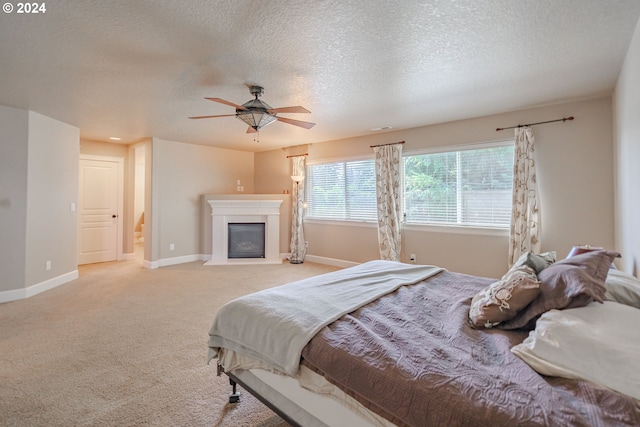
(39,171)
(575,174)
(182,173)
(14,126)
(52,187)
(627,131)
(98,148)
(273,172)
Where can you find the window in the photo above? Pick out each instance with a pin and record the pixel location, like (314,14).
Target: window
(342,191)
(469,187)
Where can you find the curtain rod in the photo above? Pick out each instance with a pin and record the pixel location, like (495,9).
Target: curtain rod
(298,155)
(564,119)
(382,145)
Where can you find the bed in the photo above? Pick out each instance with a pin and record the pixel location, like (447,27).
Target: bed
(392,344)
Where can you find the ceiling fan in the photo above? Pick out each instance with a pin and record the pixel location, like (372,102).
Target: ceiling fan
(257,114)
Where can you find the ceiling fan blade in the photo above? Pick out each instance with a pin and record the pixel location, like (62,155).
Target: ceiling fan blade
(306,125)
(296,109)
(251,130)
(222,101)
(209,117)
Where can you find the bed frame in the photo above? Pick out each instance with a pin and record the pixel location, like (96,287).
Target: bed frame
(234,397)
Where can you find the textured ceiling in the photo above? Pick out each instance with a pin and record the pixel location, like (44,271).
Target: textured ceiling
(136,69)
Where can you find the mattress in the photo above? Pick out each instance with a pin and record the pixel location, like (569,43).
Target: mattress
(330,407)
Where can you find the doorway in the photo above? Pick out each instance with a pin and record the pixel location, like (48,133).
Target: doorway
(139,195)
(100,209)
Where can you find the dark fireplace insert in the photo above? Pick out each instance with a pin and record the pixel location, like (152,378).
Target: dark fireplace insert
(246,240)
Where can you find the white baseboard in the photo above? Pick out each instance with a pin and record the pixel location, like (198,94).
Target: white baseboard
(150,264)
(129,256)
(324,260)
(206,257)
(330,261)
(17,294)
(175,260)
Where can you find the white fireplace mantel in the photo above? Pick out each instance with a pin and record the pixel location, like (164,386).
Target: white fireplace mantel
(224,212)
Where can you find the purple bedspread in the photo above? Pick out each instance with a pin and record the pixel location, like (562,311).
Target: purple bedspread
(412,357)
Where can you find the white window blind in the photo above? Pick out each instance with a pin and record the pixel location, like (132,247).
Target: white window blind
(342,191)
(466,187)
(470,187)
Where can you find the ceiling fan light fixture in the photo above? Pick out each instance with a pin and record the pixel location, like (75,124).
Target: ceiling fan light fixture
(254,112)
(258,114)
(255,118)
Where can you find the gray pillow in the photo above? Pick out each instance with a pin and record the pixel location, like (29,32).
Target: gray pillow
(570,283)
(537,262)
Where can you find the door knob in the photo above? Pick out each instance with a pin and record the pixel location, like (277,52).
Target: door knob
(114,216)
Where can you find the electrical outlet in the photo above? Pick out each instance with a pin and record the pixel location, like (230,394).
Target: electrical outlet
(47,265)
(172,247)
(412,258)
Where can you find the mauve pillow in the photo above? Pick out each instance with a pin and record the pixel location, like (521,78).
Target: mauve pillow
(570,283)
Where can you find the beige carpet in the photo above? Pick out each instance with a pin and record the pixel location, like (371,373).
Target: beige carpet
(126,346)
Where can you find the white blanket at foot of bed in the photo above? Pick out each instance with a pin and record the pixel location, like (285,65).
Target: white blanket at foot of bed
(274,325)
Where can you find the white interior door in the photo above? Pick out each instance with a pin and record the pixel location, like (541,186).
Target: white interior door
(99,210)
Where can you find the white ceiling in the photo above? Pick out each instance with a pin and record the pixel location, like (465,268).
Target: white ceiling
(136,69)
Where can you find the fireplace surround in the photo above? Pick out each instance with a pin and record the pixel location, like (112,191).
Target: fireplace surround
(225,212)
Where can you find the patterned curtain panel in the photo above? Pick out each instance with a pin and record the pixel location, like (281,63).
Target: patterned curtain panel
(388,180)
(298,247)
(524,235)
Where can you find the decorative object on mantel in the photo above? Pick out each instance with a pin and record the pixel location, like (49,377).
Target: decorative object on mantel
(258,114)
(564,119)
(298,244)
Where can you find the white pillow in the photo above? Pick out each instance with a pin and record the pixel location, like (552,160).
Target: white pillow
(623,288)
(599,343)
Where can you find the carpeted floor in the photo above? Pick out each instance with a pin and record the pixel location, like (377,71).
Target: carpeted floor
(126,346)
